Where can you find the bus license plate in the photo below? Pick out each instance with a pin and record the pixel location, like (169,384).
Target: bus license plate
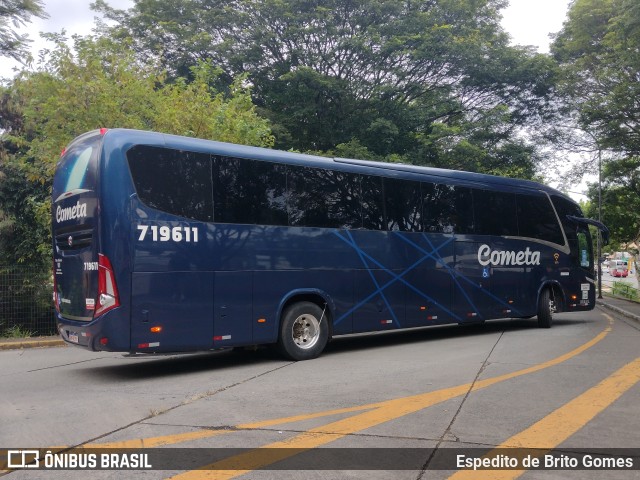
(73,338)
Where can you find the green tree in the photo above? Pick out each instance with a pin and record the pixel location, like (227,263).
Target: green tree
(598,51)
(403,78)
(617,214)
(99,84)
(14,13)
(96,84)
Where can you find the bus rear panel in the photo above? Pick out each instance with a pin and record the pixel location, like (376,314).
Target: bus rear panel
(84,282)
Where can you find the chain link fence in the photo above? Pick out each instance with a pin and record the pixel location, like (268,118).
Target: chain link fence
(26,306)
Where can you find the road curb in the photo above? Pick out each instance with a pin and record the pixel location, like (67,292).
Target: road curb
(31,343)
(621,311)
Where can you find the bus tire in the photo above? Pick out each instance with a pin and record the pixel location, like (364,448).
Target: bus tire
(545,309)
(304,331)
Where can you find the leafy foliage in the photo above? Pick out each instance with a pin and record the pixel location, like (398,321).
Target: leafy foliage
(430,82)
(598,52)
(101,85)
(14,13)
(598,49)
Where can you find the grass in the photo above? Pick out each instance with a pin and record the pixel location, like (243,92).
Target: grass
(624,290)
(17,331)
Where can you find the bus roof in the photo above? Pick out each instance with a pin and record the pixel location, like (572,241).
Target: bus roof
(126,138)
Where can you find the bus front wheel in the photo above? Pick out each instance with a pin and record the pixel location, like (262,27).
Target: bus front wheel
(546,308)
(304,331)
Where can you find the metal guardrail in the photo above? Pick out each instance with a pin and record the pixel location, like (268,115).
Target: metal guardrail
(26,307)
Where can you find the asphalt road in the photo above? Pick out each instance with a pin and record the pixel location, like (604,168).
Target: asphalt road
(608,279)
(417,396)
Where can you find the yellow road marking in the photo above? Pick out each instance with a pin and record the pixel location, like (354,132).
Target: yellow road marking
(159,441)
(200,434)
(556,427)
(207,433)
(306,416)
(385,411)
(378,413)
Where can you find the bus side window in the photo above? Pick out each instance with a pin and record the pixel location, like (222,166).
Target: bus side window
(373,206)
(403,205)
(323,198)
(249,192)
(464,219)
(173,181)
(495,213)
(438,209)
(536,219)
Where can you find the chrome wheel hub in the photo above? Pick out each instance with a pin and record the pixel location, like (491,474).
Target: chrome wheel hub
(305,331)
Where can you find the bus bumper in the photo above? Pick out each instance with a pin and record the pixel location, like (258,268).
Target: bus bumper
(95,335)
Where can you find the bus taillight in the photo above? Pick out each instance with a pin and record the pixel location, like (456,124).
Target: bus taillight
(56,297)
(108,297)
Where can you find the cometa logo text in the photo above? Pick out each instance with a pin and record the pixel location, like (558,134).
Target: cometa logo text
(487,257)
(79,210)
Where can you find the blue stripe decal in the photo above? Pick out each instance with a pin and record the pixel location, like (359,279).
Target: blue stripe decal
(373,279)
(434,253)
(396,277)
(451,271)
(455,275)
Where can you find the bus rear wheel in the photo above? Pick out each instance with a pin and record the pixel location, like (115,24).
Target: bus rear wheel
(304,331)
(546,309)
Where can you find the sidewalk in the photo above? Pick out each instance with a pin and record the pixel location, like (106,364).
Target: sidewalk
(623,307)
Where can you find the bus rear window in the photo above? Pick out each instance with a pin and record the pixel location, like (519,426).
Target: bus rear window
(77,169)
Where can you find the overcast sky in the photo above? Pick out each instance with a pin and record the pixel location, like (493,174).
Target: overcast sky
(529,22)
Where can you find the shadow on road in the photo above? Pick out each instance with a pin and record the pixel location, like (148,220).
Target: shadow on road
(143,366)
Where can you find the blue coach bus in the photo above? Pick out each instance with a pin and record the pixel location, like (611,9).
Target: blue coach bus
(171,244)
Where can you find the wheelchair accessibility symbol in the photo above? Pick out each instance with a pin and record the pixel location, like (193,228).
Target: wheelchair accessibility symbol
(485,272)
